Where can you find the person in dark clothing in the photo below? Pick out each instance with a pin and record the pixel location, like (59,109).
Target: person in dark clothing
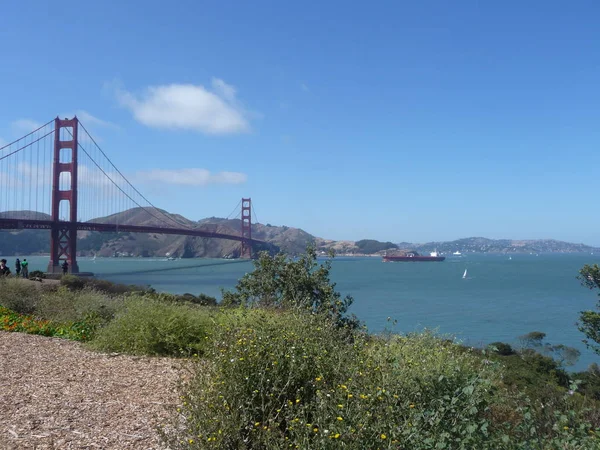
(4,270)
(18,267)
(65,267)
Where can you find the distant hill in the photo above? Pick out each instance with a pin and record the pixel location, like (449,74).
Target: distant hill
(484,245)
(287,239)
(33,215)
(25,242)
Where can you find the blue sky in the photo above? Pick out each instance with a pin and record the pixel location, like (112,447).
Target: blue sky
(401,121)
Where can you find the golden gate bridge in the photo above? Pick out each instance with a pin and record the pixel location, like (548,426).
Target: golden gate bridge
(58,178)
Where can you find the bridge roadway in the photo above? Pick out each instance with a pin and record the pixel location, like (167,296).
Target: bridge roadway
(30,224)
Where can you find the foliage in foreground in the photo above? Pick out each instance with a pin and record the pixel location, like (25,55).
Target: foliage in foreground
(589,321)
(12,321)
(61,309)
(148,326)
(298,283)
(282,378)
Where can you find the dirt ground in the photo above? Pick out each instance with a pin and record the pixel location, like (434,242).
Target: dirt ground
(55,394)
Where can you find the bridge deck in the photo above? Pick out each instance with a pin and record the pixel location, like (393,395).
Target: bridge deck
(30,224)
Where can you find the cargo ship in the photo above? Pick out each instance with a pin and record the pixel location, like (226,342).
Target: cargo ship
(413,257)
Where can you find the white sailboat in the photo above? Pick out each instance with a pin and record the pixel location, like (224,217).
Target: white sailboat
(465,274)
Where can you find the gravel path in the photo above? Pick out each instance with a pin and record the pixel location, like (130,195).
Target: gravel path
(55,394)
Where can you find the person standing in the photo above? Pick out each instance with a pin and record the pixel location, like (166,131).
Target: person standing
(65,267)
(4,270)
(25,268)
(18,267)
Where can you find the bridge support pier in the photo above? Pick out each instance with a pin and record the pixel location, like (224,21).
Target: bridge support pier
(63,236)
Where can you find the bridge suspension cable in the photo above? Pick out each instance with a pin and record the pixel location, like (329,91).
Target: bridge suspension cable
(255,217)
(24,147)
(165,219)
(235,210)
(27,135)
(23,179)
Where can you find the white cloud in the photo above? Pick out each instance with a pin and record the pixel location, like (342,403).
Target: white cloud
(304,87)
(191,177)
(189,107)
(25,125)
(91,120)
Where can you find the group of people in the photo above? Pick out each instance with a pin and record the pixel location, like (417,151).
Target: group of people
(21,268)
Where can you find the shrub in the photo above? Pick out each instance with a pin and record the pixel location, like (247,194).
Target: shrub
(72,282)
(18,296)
(203,299)
(280,379)
(300,283)
(502,348)
(64,305)
(590,381)
(37,274)
(75,283)
(145,326)
(12,321)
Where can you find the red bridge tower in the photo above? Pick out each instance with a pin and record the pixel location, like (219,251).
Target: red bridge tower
(63,240)
(246,228)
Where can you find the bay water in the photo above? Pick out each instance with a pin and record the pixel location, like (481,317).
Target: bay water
(499,300)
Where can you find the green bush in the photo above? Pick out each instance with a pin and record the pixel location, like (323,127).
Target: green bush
(146,326)
(12,321)
(72,282)
(280,379)
(501,348)
(63,305)
(18,296)
(298,283)
(76,283)
(204,300)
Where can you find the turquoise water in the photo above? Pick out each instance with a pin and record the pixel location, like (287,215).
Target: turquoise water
(500,299)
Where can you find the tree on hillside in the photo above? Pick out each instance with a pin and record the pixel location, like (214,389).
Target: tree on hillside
(532,339)
(589,321)
(283,282)
(371,246)
(533,342)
